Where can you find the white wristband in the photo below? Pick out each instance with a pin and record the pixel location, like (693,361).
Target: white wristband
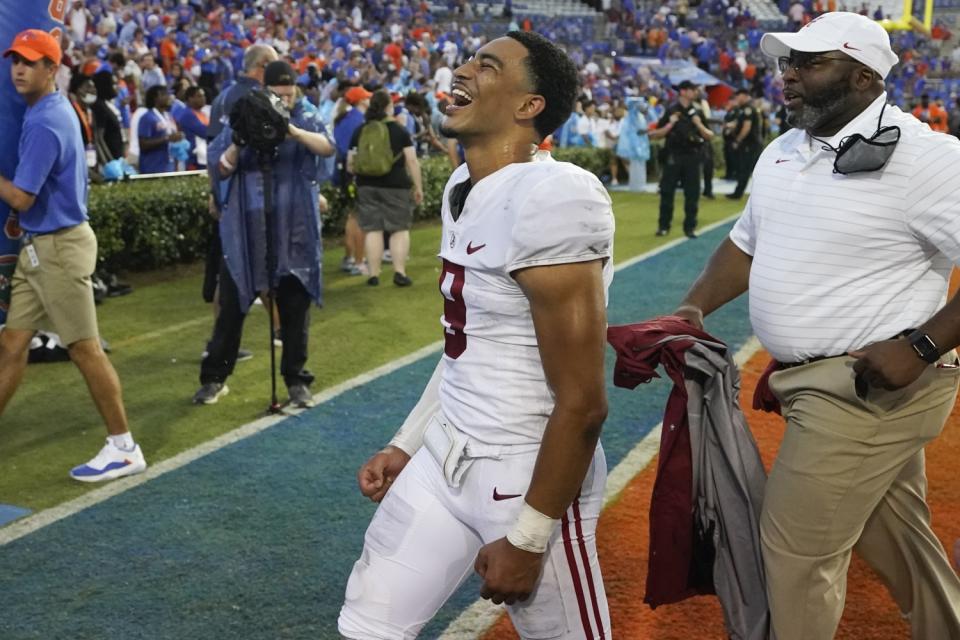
(532,530)
(225,164)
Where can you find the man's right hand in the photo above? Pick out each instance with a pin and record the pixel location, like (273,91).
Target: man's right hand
(377,474)
(691,314)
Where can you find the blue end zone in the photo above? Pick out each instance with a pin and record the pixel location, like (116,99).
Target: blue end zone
(9,513)
(257,540)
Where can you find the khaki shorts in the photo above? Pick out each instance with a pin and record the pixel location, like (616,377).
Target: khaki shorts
(384,209)
(51,288)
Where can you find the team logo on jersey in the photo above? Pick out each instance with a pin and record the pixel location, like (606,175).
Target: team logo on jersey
(453,239)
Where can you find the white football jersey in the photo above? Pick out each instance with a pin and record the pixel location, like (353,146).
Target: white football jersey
(526,214)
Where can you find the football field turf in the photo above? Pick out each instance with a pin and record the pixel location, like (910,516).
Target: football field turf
(255,539)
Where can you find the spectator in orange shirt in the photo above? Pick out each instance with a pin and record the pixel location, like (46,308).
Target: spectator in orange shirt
(395,52)
(168,51)
(931,113)
(310,59)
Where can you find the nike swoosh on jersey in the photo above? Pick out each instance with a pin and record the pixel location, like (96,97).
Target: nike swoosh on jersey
(504,496)
(473,249)
(846,45)
(779,161)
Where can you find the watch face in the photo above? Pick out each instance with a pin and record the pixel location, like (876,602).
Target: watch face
(924,346)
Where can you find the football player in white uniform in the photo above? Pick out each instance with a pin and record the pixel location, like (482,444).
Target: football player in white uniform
(502,471)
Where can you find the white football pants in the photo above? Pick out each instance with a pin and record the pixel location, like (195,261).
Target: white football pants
(423,540)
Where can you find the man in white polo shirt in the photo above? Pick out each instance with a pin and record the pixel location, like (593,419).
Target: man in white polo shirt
(846,245)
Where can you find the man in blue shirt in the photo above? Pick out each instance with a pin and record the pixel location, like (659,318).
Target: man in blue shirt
(193,122)
(51,286)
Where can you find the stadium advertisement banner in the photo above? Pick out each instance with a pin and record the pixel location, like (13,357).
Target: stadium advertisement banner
(14,18)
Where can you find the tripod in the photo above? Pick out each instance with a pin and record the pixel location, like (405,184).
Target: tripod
(265,160)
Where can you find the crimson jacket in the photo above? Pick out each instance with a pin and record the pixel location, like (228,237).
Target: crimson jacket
(704,517)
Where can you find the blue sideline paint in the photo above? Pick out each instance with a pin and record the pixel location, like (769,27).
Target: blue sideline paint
(9,513)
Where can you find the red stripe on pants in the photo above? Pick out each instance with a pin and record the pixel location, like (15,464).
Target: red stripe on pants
(587,569)
(575,574)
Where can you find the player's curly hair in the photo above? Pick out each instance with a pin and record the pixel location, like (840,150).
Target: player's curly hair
(553,75)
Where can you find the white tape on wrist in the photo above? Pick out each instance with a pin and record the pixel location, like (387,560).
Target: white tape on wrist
(225,164)
(532,530)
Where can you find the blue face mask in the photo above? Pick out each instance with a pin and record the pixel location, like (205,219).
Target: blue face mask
(857,154)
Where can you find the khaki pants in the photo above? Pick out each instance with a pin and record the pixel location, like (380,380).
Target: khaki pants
(51,287)
(850,475)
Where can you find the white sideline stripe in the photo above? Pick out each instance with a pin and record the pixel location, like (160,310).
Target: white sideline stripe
(158,333)
(28,525)
(19,528)
(480,616)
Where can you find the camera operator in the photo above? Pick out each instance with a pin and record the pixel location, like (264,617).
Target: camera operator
(685,131)
(296,170)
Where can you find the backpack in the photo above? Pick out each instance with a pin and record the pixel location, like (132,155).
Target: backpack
(374,154)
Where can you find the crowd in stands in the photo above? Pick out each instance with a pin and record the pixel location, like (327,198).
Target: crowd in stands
(141,75)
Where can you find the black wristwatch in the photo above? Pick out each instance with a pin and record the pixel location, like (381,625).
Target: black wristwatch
(924,346)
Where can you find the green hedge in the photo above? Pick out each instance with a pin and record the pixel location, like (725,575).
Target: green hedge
(145,224)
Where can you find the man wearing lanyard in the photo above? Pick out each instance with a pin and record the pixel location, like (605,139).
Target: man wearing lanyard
(51,286)
(846,246)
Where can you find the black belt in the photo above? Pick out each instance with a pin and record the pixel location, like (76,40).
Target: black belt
(28,236)
(790,365)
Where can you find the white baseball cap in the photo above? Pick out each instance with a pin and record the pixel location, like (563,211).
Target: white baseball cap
(855,35)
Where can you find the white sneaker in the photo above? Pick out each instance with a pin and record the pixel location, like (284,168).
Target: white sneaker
(112,462)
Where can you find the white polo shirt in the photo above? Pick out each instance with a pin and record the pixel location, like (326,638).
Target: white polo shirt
(840,262)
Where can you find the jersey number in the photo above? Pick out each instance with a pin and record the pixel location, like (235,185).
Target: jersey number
(454,309)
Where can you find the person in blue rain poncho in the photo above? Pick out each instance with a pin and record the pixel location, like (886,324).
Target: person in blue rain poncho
(634,143)
(297,171)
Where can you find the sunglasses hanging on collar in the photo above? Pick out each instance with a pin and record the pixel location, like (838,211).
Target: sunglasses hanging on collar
(857,154)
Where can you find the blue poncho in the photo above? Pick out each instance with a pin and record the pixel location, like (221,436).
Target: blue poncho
(634,143)
(296,178)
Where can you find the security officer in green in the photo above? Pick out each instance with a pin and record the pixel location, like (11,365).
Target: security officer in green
(685,131)
(730,122)
(747,143)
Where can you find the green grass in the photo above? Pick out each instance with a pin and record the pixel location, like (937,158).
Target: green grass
(157,335)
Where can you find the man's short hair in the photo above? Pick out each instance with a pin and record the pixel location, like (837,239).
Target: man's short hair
(191,91)
(742,92)
(254,56)
(150,98)
(553,75)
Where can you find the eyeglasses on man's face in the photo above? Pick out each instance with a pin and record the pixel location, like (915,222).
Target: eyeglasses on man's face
(802,61)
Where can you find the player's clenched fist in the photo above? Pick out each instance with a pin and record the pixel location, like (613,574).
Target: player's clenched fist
(377,474)
(509,574)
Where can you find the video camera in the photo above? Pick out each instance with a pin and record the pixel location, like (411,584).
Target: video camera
(260,120)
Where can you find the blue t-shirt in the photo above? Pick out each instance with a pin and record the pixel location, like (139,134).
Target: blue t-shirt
(157,160)
(343,130)
(52,166)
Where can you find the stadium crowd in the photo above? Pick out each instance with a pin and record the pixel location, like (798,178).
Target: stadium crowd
(115,53)
(139,79)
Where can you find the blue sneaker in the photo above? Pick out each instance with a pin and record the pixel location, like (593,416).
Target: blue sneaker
(112,462)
